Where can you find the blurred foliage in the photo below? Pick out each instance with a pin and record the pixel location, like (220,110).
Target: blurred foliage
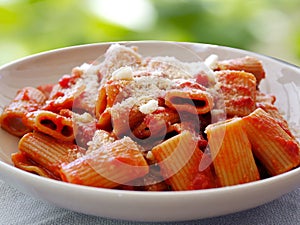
(266,26)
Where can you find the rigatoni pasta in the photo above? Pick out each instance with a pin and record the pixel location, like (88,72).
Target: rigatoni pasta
(192,101)
(55,125)
(108,166)
(230,149)
(247,64)
(147,123)
(276,149)
(47,151)
(28,99)
(238,89)
(179,159)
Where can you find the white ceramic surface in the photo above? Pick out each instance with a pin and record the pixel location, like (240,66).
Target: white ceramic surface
(283,80)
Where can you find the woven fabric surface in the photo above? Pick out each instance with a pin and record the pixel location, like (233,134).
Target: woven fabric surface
(17,208)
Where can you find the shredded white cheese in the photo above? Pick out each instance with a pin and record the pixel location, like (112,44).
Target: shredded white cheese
(211,61)
(149,107)
(140,91)
(83,118)
(123,73)
(100,138)
(150,155)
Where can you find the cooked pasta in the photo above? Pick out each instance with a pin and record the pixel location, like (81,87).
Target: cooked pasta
(55,125)
(152,123)
(238,89)
(179,159)
(247,64)
(193,101)
(28,99)
(276,149)
(108,166)
(48,152)
(231,151)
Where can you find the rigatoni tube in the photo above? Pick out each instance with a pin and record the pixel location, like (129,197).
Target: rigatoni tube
(109,166)
(47,151)
(179,159)
(231,153)
(276,149)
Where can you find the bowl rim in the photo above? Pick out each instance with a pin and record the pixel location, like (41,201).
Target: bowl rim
(72,47)
(245,186)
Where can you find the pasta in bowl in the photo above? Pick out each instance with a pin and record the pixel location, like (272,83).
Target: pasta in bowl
(150,122)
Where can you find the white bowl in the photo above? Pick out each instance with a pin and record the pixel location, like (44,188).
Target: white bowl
(282,79)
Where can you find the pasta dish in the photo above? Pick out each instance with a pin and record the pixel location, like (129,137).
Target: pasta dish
(146,123)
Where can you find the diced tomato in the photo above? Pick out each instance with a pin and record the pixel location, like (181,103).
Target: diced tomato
(64,81)
(67,80)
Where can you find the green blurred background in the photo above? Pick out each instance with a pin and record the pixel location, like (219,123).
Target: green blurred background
(271,27)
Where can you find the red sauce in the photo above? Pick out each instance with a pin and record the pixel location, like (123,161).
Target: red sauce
(64,81)
(202,79)
(67,80)
(243,102)
(189,84)
(291,147)
(203,180)
(23,95)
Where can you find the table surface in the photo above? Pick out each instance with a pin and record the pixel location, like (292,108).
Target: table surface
(17,208)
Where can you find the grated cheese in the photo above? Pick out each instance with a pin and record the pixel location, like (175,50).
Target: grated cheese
(99,139)
(83,118)
(141,90)
(123,73)
(149,107)
(211,61)
(150,155)
(90,84)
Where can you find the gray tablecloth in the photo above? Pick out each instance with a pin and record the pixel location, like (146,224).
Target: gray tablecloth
(17,208)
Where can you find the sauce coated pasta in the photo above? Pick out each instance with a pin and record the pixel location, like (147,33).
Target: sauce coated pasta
(146,123)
